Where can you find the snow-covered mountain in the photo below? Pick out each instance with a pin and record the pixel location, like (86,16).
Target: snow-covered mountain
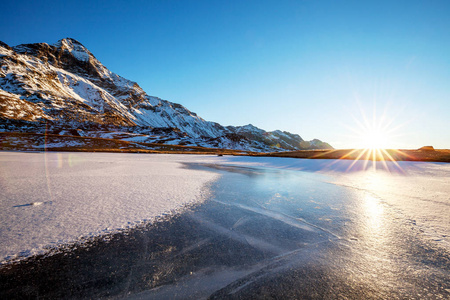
(62,87)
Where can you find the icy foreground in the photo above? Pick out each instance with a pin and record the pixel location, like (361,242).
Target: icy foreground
(52,198)
(420,191)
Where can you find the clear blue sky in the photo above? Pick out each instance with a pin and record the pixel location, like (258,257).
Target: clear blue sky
(301,66)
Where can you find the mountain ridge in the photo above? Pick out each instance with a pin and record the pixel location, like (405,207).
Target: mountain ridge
(66,86)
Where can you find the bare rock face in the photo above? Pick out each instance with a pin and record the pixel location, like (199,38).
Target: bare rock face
(65,86)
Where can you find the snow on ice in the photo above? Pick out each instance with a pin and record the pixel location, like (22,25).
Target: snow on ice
(49,199)
(87,194)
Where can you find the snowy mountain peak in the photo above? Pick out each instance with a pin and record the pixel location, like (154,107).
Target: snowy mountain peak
(249,128)
(73,47)
(68,42)
(65,84)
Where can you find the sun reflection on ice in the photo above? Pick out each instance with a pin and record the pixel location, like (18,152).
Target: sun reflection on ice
(374,212)
(372,206)
(374,228)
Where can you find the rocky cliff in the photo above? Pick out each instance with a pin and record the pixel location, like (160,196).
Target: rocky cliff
(62,87)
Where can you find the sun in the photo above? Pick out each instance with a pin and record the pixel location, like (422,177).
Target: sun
(374,138)
(374,132)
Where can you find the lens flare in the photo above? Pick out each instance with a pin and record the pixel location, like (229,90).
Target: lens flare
(374,136)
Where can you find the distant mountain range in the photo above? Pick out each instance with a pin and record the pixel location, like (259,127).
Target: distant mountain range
(63,89)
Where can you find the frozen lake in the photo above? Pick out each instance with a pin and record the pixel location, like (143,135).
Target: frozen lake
(223,227)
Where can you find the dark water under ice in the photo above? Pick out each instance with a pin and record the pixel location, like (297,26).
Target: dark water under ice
(263,233)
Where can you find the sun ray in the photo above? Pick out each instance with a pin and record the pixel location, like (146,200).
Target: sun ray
(382,160)
(357,158)
(392,159)
(375,131)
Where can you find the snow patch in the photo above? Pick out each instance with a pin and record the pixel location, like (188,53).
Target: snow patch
(49,199)
(74,48)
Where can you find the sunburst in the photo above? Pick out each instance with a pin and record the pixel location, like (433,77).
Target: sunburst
(374,136)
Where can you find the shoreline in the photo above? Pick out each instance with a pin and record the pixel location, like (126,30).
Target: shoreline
(436,155)
(37,142)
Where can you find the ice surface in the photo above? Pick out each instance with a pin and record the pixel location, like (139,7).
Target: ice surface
(53,198)
(419,190)
(87,194)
